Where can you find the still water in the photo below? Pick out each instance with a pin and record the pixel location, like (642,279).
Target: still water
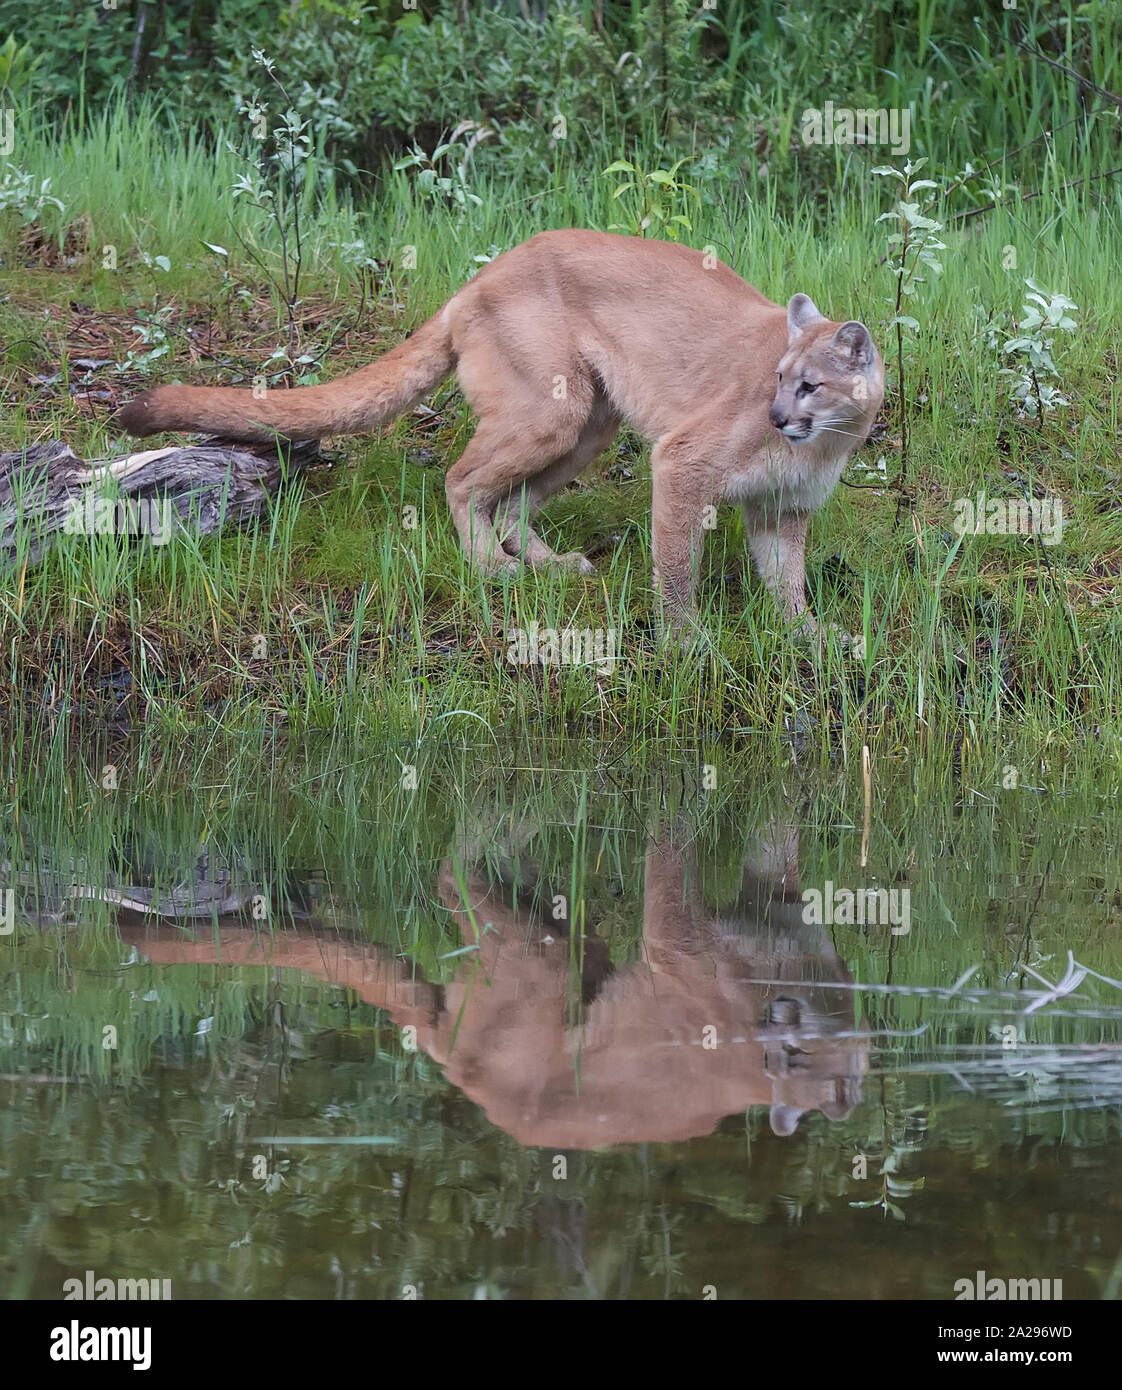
(595,1034)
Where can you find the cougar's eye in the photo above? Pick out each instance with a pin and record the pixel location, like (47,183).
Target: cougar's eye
(807,387)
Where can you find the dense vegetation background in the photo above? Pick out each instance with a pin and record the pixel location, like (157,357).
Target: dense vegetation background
(728,77)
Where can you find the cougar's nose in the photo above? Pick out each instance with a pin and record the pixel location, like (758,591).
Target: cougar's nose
(777,417)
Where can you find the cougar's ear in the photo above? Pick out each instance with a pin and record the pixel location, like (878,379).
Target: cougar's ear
(853,345)
(801,313)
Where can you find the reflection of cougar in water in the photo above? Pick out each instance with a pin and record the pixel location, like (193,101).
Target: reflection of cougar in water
(722,1010)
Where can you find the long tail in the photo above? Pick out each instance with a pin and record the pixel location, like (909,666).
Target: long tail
(355,403)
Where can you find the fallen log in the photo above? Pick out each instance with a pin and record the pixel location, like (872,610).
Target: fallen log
(47,491)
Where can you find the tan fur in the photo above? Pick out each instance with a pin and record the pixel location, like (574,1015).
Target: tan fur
(630,1065)
(558,340)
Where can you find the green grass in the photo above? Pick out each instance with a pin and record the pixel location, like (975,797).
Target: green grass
(372,623)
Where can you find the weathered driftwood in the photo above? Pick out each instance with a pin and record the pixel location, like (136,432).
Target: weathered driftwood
(159,875)
(48,490)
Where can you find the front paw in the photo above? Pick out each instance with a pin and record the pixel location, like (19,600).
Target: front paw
(680,634)
(577,564)
(810,632)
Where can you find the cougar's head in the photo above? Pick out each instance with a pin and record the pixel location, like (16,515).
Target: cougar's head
(813,1055)
(829,382)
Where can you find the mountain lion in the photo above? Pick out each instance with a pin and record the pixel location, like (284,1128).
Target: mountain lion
(723,1008)
(555,343)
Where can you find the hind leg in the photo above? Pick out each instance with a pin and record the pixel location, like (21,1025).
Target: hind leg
(518,537)
(513,514)
(512,447)
(481,479)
